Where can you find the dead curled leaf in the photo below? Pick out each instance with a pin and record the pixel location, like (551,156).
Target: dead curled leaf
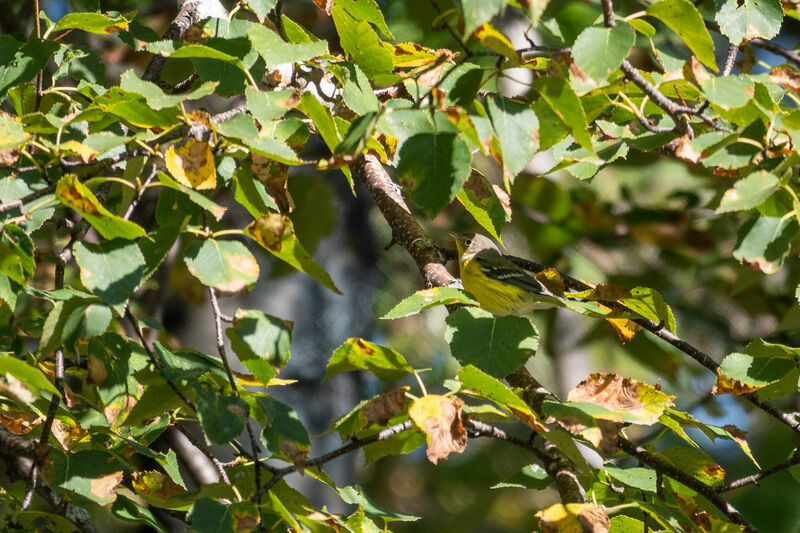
(439,417)
(105,487)
(381,409)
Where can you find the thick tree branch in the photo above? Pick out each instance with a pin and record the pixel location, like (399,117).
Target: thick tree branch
(188,15)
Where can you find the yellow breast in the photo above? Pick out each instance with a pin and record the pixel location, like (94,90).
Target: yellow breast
(494,296)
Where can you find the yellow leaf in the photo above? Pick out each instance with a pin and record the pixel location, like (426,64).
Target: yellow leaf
(192,165)
(494,40)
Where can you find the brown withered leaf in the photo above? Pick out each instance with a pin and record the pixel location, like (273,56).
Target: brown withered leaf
(268,230)
(694,72)
(275,178)
(631,398)
(67,434)
(439,417)
(105,487)
(604,434)
(787,77)
(296,454)
(97,372)
(381,409)
(112,412)
(573,518)
(685,151)
(725,384)
(19,422)
(325,5)
(8,157)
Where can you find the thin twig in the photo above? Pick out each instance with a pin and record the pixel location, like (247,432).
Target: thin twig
(791,55)
(140,193)
(212,294)
(205,451)
(146,345)
(755,478)
(660,464)
(661,332)
(347,448)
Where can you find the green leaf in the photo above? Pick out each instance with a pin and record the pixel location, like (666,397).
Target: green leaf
(477,383)
(728,91)
(209,516)
(696,463)
(228,266)
(682,17)
(76,195)
(261,342)
(354,494)
(530,477)
(361,43)
(517,129)
(84,323)
(195,196)
(267,106)
(648,303)
(748,192)
(26,373)
(481,199)
(284,434)
(600,51)
(134,109)
(276,234)
(744,20)
(432,168)
(358,354)
(562,102)
(273,149)
(764,242)
(111,270)
(275,50)
(252,194)
(221,417)
(357,91)
(156,97)
(261,8)
(90,473)
(21,62)
(428,298)
(110,372)
(131,511)
(637,477)
(756,372)
(12,133)
(496,345)
(476,12)
(93,23)
(16,254)
(368,11)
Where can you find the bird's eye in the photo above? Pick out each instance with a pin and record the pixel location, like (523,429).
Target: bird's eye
(468,242)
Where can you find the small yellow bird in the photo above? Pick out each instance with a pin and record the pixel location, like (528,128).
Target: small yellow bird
(500,286)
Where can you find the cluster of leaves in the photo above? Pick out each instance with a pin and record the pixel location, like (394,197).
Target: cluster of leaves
(89,374)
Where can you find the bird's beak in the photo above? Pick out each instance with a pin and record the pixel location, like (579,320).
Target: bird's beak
(454,235)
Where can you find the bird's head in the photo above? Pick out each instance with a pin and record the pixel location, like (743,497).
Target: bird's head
(469,244)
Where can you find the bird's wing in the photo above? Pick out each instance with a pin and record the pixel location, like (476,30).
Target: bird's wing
(501,269)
